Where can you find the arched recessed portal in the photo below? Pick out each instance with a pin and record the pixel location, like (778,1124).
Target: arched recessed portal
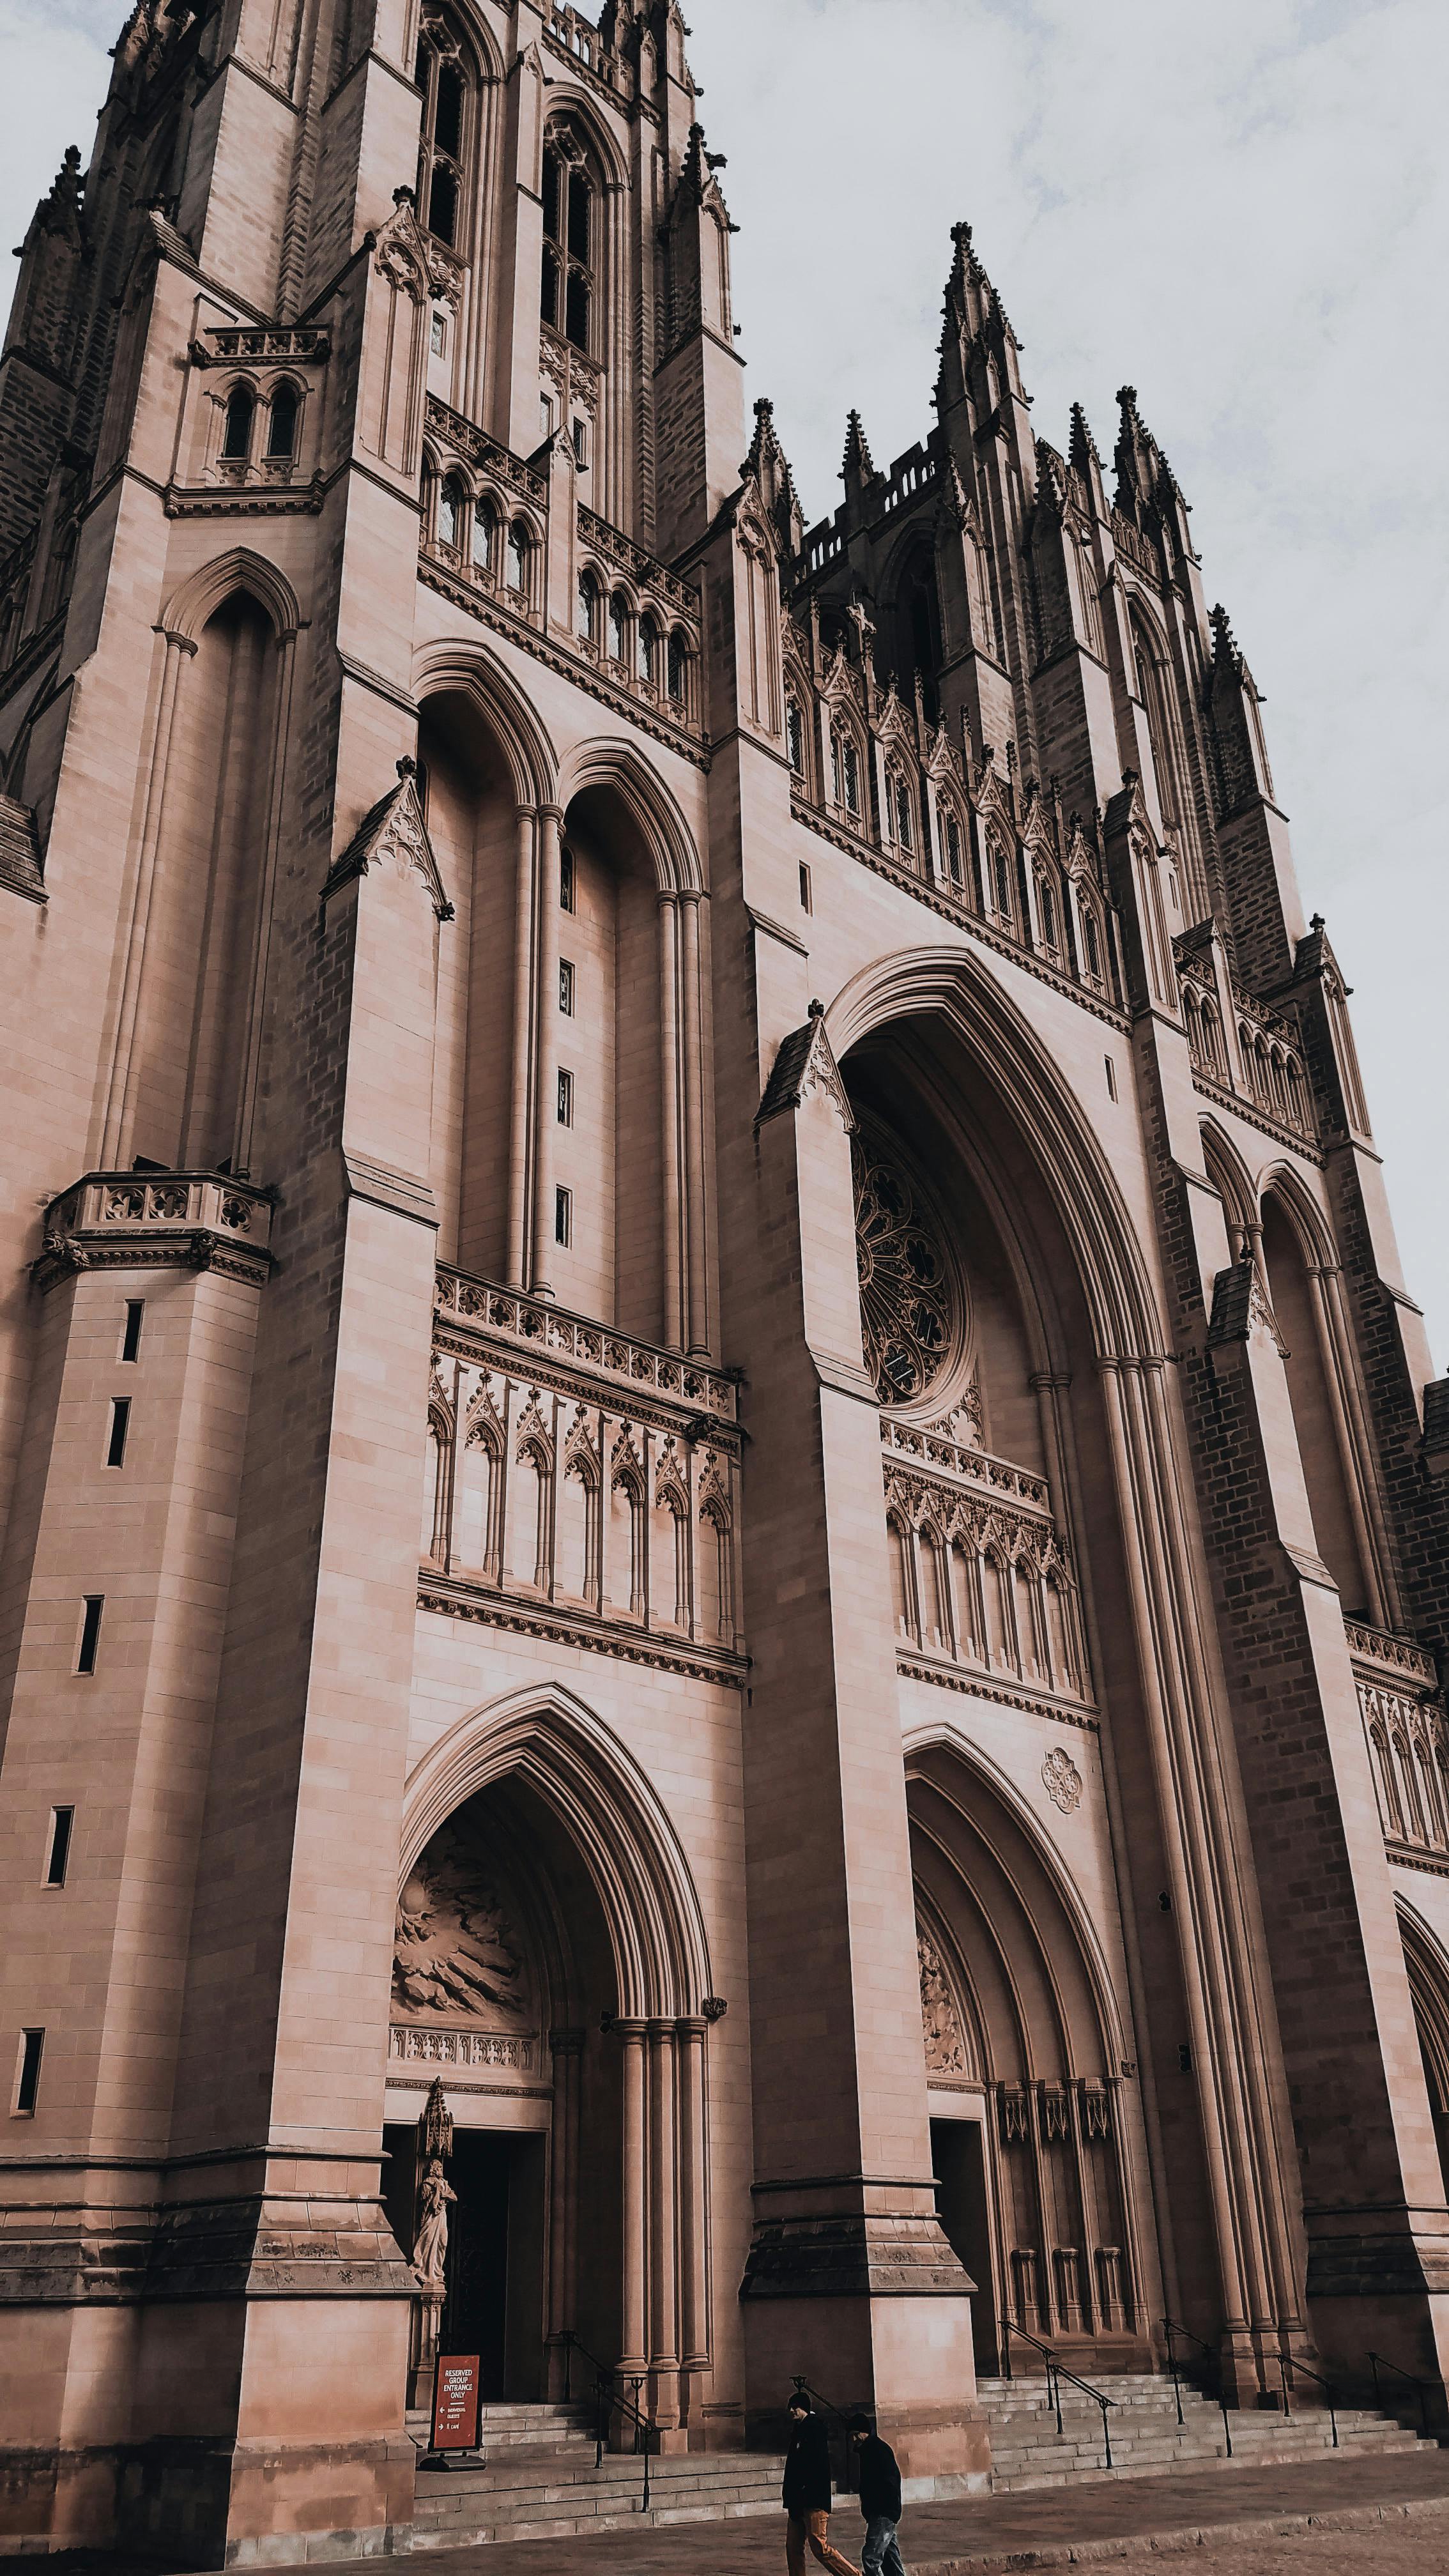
(550,1968)
(1023,2057)
(1295,1291)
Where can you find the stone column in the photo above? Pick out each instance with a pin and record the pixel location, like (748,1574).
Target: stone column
(563,2188)
(520,1118)
(545,1116)
(670,1216)
(634,2352)
(663,2272)
(697,1334)
(694,2352)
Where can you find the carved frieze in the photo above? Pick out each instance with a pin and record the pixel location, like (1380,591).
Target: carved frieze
(940,2020)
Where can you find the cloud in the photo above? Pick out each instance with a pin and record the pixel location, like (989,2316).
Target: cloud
(1241,209)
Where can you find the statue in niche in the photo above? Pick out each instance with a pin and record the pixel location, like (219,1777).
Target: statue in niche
(940,2028)
(454,1950)
(430,2253)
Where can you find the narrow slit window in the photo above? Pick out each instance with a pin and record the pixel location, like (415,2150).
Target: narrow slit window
(120,1425)
(131,1338)
(566,880)
(563,1216)
(90,1635)
(57,1849)
(794,738)
(805,903)
(440,335)
(565,1098)
(566,988)
(1111,1077)
(953,848)
(27,2074)
(581,444)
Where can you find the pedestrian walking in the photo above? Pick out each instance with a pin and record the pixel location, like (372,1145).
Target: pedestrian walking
(806,2492)
(880,2500)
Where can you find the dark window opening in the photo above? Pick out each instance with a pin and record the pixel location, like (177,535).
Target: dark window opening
(566,988)
(569,246)
(448,111)
(563,1216)
(443,204)
(90,1636)
(27,2086)
(282,426)
(805,903)
(58,1851)
(120,1424)
(795,737)
(565,1098)
(676,669)
(450,511)
(131,1339)
(566,879)
(236,443)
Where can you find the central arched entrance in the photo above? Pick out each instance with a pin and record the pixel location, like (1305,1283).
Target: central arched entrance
(550,1968)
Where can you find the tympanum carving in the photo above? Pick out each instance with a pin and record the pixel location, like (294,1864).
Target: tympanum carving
(455,1952)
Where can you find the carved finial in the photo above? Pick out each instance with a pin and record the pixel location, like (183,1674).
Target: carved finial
(817,1010)
(1082,447)
(407,768)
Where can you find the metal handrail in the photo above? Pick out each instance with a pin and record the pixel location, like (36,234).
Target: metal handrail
(799,2380)
(1287,2363)
(1380,2361)
(1170,2327)
(608,2397)
(1056,2372)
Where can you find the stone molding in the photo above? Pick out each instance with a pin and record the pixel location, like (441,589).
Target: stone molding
(157,1220)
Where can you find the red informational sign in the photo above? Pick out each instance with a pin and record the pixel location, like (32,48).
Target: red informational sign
(455,2402)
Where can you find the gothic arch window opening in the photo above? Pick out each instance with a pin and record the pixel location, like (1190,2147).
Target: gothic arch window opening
(451,498)
(619,622)
(954,846)
(485,538)
(844,770)
(914,1305)
(795,738)
(678,673)
(282,420)
(520,556)
(649,651)
(570,239)
(998,877)
(1091,941)
(902,810)
(1046,912)
(236,435)
(586,614)
(444,149)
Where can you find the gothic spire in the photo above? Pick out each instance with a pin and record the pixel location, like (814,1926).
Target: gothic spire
(768,467)
(857,463)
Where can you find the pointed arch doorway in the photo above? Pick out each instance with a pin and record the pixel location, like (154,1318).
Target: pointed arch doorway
(1033,2142)
(550,1967)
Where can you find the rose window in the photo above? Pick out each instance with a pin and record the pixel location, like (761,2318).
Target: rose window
(910,1306)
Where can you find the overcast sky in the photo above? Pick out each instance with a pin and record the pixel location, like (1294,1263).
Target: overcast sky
(1241,210)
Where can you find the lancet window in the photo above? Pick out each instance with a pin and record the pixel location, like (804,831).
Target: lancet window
(442,164)
(570,243)
(844,770)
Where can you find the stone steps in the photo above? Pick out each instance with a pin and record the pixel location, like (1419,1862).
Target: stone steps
(1147,2440)
(552,2493)
(540,2480)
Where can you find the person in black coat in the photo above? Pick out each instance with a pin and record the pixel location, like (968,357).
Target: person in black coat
(806,2492)
(880,2500)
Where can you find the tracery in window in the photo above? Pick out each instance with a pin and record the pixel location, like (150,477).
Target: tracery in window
(649,651)
(485,538)
(1046,906)
(844,770)
(795,738)
(518,554)
(442,166)
(902,818)
(1091,943)
(450,511)
(998,863)
(570,227)
(912,1309)
(619,628)
(955,867)
(586,610)
(678,668)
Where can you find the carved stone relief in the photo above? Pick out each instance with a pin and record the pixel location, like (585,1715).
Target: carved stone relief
(455,1951)
(940,2023)
(1062,1780)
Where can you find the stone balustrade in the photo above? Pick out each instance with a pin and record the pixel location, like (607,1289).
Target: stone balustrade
(126,1220)
(982,1576)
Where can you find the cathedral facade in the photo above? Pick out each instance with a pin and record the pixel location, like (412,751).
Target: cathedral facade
(712,1457)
